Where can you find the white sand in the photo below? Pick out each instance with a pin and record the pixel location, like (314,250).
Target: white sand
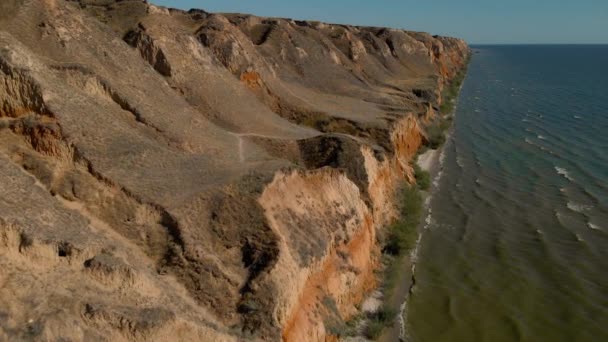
(428,159)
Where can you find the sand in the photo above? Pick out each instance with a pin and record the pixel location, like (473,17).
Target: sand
(429,160)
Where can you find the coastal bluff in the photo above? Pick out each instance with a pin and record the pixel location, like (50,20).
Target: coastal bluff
(184,175)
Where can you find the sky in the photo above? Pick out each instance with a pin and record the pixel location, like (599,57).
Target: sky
(476,21)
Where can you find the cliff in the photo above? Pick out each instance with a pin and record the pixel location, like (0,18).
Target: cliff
(172,175)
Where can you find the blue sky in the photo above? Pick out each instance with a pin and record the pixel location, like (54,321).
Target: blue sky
(477,21)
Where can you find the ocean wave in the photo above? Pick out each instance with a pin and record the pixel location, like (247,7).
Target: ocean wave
(562,171)
(541,137)
(428,219)
(577,117)
(541,147)
(593,226)
(437,179)
(577,207)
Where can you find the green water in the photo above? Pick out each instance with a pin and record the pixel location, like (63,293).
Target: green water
(516,247)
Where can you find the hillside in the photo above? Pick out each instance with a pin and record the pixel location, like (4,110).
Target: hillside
(186,175)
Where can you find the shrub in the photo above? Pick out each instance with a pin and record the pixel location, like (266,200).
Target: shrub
(436,131)
(374,329)
(423,178)
(379,320)
(333,322)
(403,233)
(436,135)
(450,93)
(344,329)
(401,237)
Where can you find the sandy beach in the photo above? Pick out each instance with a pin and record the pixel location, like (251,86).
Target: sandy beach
(429,160)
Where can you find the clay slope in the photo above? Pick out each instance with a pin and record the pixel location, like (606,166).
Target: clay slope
(171,175)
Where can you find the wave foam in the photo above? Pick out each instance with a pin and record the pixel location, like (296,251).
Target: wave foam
(563,172)
(437,179)
(593,226)
(442,157)
(579,208)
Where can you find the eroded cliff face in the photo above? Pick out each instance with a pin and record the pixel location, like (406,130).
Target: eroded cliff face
(196,176)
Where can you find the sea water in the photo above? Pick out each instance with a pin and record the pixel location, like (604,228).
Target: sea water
(517,245)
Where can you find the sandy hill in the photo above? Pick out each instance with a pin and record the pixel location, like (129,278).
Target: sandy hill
(172,175)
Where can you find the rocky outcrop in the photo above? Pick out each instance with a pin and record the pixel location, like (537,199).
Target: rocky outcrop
(194,176)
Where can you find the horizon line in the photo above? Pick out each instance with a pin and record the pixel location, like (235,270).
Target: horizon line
(505,44)
(351,23)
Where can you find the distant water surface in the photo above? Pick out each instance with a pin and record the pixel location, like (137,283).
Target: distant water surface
(517,245)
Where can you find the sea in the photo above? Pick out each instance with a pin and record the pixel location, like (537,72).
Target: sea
(516,244)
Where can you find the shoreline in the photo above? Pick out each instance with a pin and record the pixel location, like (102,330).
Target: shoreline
(429,161)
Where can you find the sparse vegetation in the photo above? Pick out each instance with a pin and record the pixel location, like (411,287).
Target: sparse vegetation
(403,233)
(325,123)
(378,321)
(450,92)
(333,322)
(423,178)
(344,329)
(401,238)
(436,131)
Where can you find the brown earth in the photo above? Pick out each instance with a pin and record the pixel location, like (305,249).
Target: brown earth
(172,175)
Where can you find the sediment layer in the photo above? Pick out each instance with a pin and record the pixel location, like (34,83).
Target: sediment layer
(186,175)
